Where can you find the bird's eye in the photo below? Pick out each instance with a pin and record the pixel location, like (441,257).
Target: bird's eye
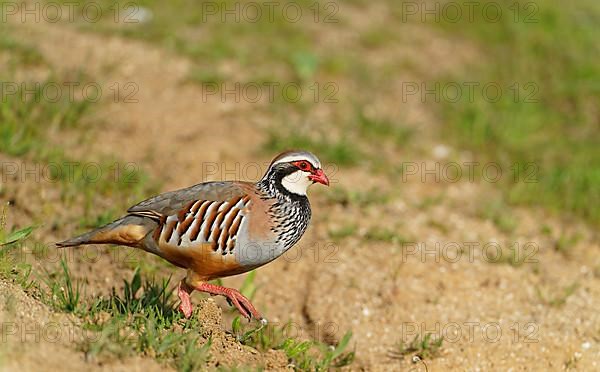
(303,165)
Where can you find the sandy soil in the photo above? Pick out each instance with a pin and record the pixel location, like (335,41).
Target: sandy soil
(493,316)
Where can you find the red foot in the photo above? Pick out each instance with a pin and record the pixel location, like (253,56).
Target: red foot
(183,291)
(235,297)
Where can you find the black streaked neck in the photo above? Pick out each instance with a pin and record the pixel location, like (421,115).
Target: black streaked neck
(272,186)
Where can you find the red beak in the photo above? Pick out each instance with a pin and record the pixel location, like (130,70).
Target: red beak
(319,177)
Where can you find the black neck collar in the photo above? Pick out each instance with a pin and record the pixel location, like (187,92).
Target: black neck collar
(272,185)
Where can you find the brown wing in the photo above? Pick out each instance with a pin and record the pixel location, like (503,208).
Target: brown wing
(173,202)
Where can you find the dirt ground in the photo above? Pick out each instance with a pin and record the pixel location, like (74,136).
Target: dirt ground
(437,279)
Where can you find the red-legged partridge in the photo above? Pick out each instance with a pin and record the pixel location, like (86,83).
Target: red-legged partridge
(218,229)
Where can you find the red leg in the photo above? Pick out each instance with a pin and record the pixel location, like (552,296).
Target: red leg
(183,291)
(237,299)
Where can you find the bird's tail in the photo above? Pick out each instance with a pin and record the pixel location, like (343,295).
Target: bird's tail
(129,230)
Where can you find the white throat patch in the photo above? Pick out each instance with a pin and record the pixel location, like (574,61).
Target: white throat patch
(297,182)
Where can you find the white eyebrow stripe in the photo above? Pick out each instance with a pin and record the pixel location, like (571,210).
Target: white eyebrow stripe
(290,158)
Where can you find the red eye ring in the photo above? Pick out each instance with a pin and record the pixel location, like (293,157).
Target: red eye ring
(303,165)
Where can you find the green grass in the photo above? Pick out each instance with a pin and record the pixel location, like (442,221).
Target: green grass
(65,294)
(345,197)
(557,54)
(382,130)
(30,122)
(20,53)
(571,363)
(557,128)
(512,254)
(27,117)
(8,238)
(143,319)
(34,113)
(376,37)
(189,28)
(565,242)
(556,297)
(248,288)
(424,347)
(559,134)
(291,55)
(148,336)
(154,295)
(386,235)
(497,211)
(302,355)
(340,152)
(12,266)
(356,140)
(342,232)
